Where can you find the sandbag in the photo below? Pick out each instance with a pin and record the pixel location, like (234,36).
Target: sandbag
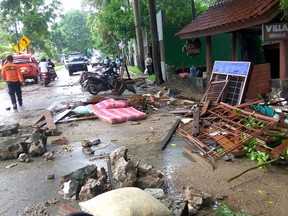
(128,201)
(85,110)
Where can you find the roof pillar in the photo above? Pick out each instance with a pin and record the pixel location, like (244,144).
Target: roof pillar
(208,55)
(234,46)
(283,59)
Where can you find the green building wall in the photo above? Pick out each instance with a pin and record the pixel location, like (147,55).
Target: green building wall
(221,49)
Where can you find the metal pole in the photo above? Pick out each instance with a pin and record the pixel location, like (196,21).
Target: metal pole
(17,36)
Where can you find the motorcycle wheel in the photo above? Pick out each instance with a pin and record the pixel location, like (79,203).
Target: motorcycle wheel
(46,82)
(93,89)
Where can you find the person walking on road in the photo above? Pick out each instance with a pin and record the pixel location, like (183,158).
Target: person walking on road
(13,77)
(43,66)
(148,64)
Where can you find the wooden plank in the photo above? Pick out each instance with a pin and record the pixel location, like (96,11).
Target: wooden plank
(187,150)
(205,107)
(260,81)
(169,135)
(195,125)
(224,141)
(39,117)
(275,153)
(49,120)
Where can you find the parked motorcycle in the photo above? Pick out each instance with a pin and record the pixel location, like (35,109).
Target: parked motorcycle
(94,82)
(47,77)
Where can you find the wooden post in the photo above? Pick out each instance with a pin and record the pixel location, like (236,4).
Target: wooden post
(208,55)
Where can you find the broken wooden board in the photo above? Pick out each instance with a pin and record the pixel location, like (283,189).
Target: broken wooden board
(61,115)
(205,107)
(195,124)
(48,118)
(275,153)
(187,150)
(169,135)
(181,111)
(230,121)
(78,119)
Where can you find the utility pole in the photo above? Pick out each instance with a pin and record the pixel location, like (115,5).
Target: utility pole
(139,36)
(17,35)
(155,43)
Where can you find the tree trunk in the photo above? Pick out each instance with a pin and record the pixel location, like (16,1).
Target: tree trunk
(139,36)
(155,43)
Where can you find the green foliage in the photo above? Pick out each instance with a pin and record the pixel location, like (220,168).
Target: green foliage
(223,210)
(110,24)
(72,33)
(253,154)
(251,122)
(134,70)
(284,7)
(29,18)
(179,13)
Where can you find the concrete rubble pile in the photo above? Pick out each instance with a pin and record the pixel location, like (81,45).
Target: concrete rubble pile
(14,144)
(91,180)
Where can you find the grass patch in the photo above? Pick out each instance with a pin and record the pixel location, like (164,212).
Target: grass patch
(135,70)
(59,67)
(2,84)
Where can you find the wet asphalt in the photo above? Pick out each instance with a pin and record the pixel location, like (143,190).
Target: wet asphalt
(25,185)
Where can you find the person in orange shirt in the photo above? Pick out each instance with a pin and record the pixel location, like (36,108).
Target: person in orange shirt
(13,77)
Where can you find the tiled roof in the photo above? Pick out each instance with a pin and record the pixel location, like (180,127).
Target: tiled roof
(230,15)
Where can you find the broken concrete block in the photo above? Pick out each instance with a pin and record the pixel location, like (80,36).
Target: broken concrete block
(36,149)
(123,169)
(50,177)
(24,158)
(72,183)
(158,193)
(91,189)
(149,179)
(196,198)
(11,148)
(8,130)
(85,143)
(88,150)
(48,156)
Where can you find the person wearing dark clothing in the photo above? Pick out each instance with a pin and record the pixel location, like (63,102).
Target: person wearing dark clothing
(51,68)
(13,77)
(50,63)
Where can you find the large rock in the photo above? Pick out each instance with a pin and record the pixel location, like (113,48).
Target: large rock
(11,147)
(123,169)
(36,144)
(90,180)
(197,199)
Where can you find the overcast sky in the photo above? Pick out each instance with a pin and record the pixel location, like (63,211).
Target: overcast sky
(71,4)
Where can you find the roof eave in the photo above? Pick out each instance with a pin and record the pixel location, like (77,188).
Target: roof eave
(232,27)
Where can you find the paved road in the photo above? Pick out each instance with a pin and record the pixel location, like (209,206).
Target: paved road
(25,185)
(37,97)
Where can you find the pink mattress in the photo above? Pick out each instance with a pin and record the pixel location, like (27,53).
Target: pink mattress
(116,111)
(119,115)
(111,103)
